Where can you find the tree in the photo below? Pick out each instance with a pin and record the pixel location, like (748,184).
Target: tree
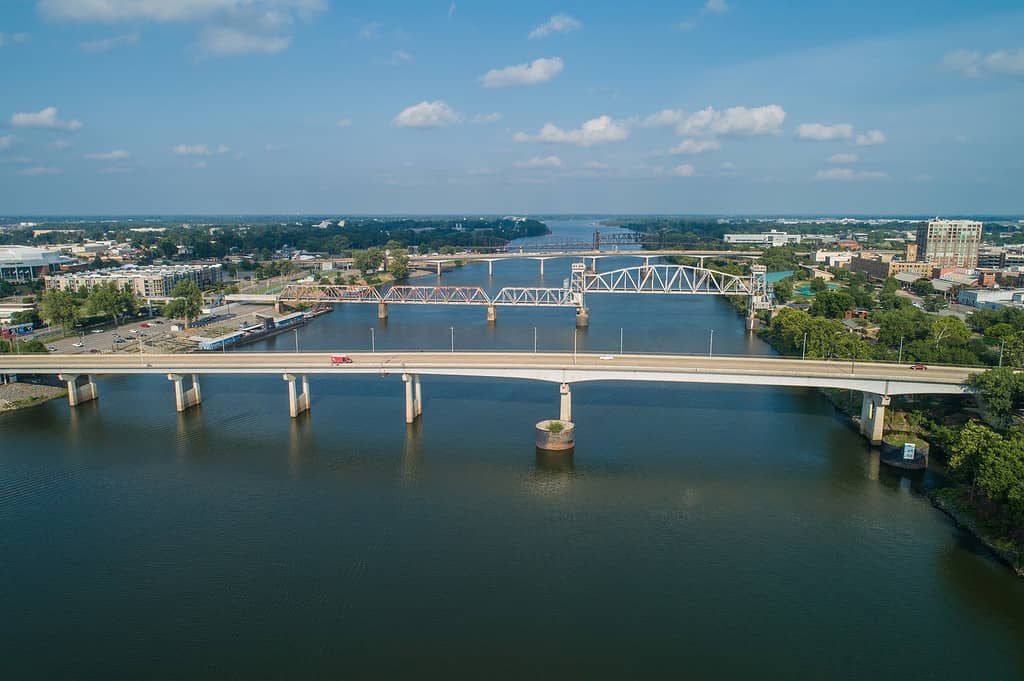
(1001,392)
(26,317)
(950,330)
(923,287)
(187,301)
(819,285)
(367,261)
(399,265)
(831,304)
(60,308)
(966,453)
(783,290)
(110,300)
(935,303)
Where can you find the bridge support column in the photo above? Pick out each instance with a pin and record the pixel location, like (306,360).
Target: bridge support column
(297,402)
(872,417)
(79,392)
(582,317)
(565,403)
(593,266)
(542,268)
(413,397)
(183,399)
(490,268)
(492,313)
(382,310)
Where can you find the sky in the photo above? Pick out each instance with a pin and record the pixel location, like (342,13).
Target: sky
(821,107)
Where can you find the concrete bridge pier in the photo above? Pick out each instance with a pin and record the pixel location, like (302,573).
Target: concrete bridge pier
(490,268)
(872,417)
(413,397)
(565,403)
(492,313)
(79,392)
(382,310)
(582,317)
(297,402)
(183,399)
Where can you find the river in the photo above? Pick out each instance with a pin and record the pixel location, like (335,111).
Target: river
(698,531)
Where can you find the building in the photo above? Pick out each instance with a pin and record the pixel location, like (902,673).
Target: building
(833,258)
(991,257)
(24,263)
(949,242)
(772,238)
(145,282)
(881,266)
(978,297)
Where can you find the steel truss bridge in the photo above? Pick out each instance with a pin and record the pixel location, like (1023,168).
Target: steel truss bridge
(657,279)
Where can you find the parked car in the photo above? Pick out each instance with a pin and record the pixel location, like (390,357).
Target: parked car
(51,348)
(340,359)
(144,325)
(96,331)
(918,367)
(79,344)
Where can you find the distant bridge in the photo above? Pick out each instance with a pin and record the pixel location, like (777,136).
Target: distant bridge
(659,278)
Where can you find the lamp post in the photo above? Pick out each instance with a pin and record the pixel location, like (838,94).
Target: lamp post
(535,340)
(296,341)
(575,336)
(373,341)
(711,343)
(620,340)
(453,338)
(1002,344)
(899,360)
(803,354)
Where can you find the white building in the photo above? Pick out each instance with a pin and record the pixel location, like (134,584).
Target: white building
(772,238)
(24,263)
(145,282)
(833,258)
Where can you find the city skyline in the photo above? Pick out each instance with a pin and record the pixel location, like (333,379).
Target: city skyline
(305,106)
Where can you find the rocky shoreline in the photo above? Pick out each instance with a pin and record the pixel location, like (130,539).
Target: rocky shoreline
(15,396)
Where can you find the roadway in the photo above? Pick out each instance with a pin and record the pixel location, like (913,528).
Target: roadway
(879,378)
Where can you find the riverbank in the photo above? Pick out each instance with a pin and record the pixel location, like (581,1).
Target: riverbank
(954,502)
(14,396)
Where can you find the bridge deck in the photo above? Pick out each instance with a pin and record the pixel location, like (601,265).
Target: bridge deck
(886,379)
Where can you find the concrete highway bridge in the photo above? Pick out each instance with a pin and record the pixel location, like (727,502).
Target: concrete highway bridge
(878,381)
(643,279)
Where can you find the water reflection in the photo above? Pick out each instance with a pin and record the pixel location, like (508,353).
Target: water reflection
(412,453)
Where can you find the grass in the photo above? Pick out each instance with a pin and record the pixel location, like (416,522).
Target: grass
(555,427)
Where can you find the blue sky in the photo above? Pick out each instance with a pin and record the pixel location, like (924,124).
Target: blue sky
(712,106)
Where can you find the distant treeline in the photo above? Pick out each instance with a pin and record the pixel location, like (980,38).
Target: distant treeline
(218,240)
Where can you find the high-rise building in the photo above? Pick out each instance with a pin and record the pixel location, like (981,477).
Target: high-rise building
(949,243)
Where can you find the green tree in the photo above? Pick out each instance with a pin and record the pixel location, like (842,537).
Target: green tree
(923,287)
(187,301)
(60,308)
(819,285)
(935,303)
(948,330)
(399,263)
(831,304)
(368,260)
(783,290)
(966,452)
(110,300)
(26,317)
(1001,391)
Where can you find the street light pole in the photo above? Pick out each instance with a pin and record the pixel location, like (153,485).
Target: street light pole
(711,343)
(1002,344)
(620,340)
(803,354)
(296,341)
(453,339)
(373,341)
(535,340)
(575,335)
(899,360)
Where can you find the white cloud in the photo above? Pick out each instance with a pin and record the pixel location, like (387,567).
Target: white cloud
(1006,63)
(692,146)
(663,118)
(232,42)
(199,164)
(436,114)
(109,43)
(541,162)
(17,39)
(728,169)
(684,170)
(116,170)
(223,149)
(559,23)
(39,170)
(850,174)
(716,6)
(539,71)
(61,145)
(451,10)
(399,57)
(369,31)
(6,141)
(595,165)
(686,25)
(871,137)
(228,27)
(843,158)
(737,120)
(974,64)
(492,117)
(820,132)
(595,131)
(344,122)
(192,150)
(115,155)
(47,118)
